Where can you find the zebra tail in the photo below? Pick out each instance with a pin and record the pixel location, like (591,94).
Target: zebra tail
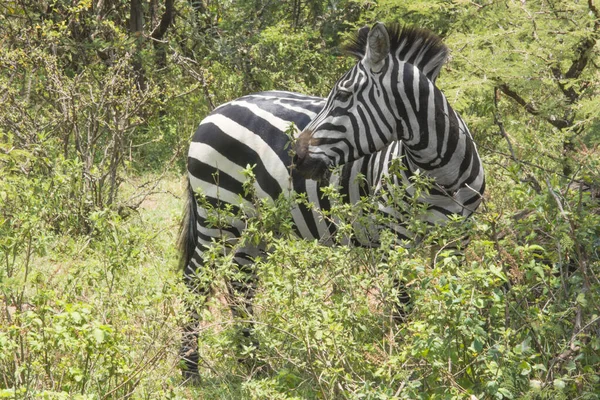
(188,232)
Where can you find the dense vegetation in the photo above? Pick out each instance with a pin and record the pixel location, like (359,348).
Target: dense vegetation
(98,99)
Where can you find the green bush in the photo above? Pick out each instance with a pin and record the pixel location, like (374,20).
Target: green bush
(82,316)
(515,316)
(92,114)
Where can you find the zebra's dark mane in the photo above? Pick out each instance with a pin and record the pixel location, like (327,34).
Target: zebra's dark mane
(417,46)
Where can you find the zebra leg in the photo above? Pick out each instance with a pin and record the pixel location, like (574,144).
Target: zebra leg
(242,289)
(200,290)
(402,306)
(192,247)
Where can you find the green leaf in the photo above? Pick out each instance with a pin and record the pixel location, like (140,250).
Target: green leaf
(476,346)
(98,335)
(497,271)
(524,367)
(581,299)
(559,384)
(506,394)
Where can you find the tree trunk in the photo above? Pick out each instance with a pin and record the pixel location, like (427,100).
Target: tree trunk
(159,33)
(160,48)
(136,26)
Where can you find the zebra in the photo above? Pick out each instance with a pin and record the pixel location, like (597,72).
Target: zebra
(391,94)
(386,109)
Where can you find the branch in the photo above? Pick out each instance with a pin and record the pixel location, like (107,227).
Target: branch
(498,121)
(582,52)
(199,76)
(582,57)
(165,21)
(136,17)
(530,164)
(579,64)
(531,108)
(596,13)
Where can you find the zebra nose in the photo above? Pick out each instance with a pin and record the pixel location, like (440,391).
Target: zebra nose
(301,147)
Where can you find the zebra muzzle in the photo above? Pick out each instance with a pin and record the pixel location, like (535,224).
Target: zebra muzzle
(311,168)
(308,166)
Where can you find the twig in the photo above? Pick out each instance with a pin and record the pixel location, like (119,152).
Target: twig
(200,76)
(557,199)
(530,164)
(498,121)
(565,355)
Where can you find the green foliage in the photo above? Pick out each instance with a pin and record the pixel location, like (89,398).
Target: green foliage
(299,64)
(90,300)
(82,316)
(509,319)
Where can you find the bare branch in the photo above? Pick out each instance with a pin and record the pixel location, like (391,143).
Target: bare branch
(165,21)
(498,121)
(529,107)
(532,109)
(584,52)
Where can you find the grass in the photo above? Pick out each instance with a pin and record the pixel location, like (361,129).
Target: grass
(99,314)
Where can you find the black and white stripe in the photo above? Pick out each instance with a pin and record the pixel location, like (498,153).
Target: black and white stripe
(365,124)
(389,96)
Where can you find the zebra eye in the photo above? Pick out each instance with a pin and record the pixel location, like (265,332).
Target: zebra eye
(343,94)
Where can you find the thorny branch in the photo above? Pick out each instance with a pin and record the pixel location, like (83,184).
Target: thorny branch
(531,108)
(582,58)
(498,121)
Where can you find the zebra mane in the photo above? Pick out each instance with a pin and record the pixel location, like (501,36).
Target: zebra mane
(419,47)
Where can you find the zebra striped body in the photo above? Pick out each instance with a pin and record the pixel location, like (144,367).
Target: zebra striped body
(252,131)
(359,130)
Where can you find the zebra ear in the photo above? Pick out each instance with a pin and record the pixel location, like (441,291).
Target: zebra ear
(378,45)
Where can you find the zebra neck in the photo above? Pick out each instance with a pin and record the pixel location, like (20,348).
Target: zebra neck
(436,139)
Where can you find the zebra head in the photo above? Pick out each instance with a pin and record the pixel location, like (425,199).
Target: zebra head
(365,110)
